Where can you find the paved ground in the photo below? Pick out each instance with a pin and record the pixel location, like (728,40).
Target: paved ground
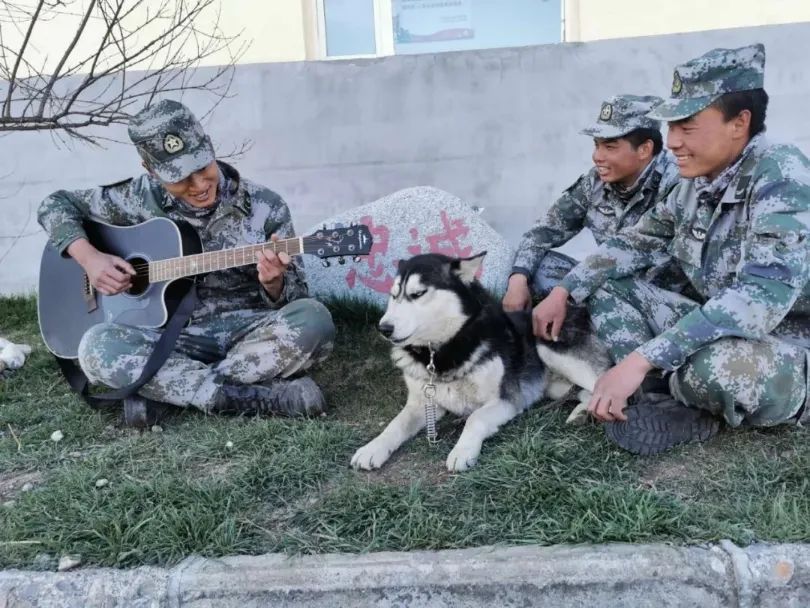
(487,577)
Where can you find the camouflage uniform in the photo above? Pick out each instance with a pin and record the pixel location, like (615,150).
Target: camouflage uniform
(237,333)
(604,208)
(740,351)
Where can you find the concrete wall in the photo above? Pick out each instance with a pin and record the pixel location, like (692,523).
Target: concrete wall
(498,128)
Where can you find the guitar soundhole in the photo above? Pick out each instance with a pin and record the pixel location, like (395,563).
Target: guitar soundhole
(140,282)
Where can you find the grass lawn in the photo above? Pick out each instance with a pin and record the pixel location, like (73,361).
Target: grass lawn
(216,486)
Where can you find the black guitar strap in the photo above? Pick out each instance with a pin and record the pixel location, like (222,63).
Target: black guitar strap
(163,348)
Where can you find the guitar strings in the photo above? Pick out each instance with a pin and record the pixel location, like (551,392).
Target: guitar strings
(145,267)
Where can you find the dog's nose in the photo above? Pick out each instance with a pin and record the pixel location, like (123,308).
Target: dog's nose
(386,329)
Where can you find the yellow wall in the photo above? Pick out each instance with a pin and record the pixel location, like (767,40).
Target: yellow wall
(275,30)
(274,27)
(600,19)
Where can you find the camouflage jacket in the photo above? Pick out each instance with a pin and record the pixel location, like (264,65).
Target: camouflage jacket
(599,206)
(743,248)
(246,213)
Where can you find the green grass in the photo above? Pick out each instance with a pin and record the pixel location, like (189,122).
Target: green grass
(286,485)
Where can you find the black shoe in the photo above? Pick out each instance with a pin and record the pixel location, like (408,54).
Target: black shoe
(141,413)
(652,428)
(293,398)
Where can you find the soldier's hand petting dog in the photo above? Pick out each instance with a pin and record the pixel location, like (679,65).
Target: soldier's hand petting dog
(108,273)
(549,315)
(271,267)
(517,296)
(616,385)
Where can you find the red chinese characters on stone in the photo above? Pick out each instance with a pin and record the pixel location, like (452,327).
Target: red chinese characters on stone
(447,241)
(374,277)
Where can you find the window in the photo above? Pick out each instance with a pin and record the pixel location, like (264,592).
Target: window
(350,28)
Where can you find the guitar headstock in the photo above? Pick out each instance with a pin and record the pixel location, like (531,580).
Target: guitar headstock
(351,240)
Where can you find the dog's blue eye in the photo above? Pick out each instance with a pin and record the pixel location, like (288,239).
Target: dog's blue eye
(417,294)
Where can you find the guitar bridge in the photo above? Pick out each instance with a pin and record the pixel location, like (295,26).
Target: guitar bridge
(89,295)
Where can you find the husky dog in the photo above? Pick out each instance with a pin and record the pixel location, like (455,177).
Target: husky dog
(489,367)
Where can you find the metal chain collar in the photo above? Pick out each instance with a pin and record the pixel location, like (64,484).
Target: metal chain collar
(430,400)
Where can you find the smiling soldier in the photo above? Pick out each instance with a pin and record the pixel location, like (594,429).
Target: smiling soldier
(630,169)
(253,333)
(738,224)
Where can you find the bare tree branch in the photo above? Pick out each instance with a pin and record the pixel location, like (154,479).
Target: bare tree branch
(46,93)
(13,77)
(124,55)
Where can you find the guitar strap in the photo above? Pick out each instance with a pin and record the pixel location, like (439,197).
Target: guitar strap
(163,348)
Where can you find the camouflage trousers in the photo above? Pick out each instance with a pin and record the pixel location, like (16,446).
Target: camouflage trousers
(754,382)
(243,347)
(552,269)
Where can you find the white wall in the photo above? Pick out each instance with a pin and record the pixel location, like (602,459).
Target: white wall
(499,128)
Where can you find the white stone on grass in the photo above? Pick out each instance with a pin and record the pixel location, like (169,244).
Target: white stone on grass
(57,436)
(102,483)
(68,562)
(13,355)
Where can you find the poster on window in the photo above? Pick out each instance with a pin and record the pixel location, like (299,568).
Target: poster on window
(423,21)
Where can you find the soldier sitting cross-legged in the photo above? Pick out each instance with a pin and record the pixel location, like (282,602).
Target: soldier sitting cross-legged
(253,333)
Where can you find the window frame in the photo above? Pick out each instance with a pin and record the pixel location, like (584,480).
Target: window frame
(384,30)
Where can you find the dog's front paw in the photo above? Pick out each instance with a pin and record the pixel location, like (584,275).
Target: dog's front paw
(579,415)
(371,456)
(462,457)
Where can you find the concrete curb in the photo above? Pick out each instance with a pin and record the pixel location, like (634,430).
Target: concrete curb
(485,577)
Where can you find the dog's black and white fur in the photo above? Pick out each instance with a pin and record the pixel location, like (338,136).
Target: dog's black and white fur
(489,366)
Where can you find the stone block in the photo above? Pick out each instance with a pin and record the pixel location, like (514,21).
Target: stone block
(406,223)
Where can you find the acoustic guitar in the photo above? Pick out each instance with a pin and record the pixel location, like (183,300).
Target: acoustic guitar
(166,256)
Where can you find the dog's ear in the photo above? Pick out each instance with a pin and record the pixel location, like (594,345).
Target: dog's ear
(400,264)
(467,268)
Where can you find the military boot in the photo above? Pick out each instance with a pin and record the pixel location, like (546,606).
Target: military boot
(142,413)
(655,426)
(293,398)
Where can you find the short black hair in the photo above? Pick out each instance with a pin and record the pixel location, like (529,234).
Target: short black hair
(755,101)
(636,137)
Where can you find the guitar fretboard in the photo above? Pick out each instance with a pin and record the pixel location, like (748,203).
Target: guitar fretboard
(186,266)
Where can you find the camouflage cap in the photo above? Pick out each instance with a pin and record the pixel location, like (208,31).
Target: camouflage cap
(624,113)
(698,83)
(171,140)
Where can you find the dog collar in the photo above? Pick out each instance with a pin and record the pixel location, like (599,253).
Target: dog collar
(429,390)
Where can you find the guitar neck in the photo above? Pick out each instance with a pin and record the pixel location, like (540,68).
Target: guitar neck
(187,266)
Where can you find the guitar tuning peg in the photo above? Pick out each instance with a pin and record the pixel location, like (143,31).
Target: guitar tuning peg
(341,260)
(325,263)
